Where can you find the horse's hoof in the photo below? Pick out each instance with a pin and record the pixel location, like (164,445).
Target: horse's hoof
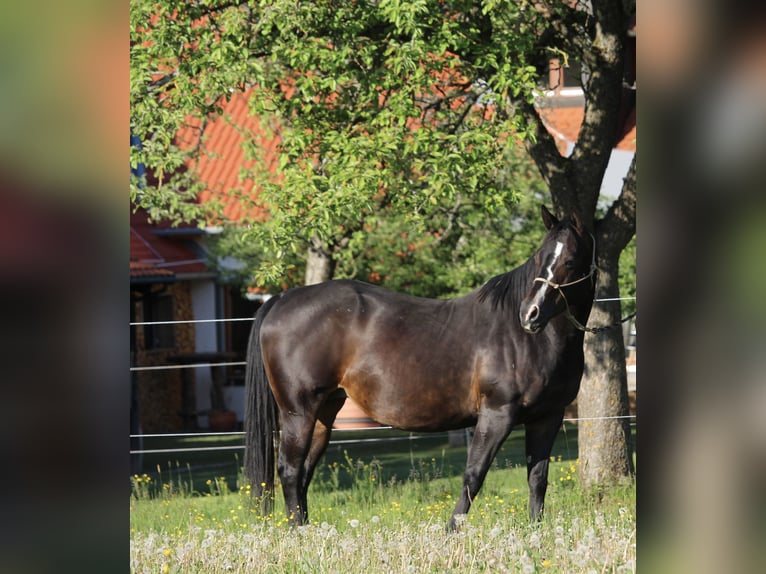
(456,522)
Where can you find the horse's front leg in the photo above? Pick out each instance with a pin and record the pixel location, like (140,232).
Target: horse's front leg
(492,428)
(539,439)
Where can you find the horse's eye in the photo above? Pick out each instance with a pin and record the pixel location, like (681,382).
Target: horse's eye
(570,263)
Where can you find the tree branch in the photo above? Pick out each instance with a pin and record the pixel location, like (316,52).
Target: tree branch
(161,82)
(550,163)
(604,63)
(569,31)
(619,223)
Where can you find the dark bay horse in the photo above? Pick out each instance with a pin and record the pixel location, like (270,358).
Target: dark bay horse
(506,354)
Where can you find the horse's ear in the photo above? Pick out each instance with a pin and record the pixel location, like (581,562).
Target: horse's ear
(549,220)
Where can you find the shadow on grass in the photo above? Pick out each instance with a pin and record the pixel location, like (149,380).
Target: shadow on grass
(398,455)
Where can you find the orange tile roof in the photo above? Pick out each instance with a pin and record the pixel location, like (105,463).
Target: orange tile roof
(222,158)
(144,270)
(563,123)
(628,141)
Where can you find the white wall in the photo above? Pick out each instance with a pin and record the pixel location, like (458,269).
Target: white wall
(235,400)
(616,170)
(203,307)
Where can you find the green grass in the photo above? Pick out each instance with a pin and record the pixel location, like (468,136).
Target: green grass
(395,457)
(379,508)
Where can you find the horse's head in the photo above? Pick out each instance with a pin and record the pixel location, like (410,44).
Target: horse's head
(564,268)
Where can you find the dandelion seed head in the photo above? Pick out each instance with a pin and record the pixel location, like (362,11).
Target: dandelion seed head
(534,540)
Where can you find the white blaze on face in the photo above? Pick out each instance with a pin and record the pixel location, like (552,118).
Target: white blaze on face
(556,254)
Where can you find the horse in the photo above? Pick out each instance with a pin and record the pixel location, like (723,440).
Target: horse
(506,354)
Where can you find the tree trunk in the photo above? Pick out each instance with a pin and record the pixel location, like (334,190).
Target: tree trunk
(320,264)
(605,446)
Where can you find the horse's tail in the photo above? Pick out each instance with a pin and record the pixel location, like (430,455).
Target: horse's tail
(261,418)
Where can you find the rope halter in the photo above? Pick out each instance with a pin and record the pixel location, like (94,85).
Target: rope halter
(558,286)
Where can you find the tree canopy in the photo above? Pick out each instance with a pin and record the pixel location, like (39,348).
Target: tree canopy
(402,108)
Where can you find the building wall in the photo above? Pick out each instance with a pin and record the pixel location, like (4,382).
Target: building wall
(160,392)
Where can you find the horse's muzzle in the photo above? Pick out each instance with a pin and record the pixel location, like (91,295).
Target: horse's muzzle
(530,319)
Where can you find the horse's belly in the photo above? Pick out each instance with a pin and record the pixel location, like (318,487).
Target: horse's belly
(411,407)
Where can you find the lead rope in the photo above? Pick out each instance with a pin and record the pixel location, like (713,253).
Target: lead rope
(571,317)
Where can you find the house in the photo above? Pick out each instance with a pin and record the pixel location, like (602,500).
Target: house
(171,280)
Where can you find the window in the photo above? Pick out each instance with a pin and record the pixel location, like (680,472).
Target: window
(159,308)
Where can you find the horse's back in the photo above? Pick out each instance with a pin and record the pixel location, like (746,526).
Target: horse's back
(347,303)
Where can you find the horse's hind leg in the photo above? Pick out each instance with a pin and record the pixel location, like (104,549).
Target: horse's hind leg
(540,436)
(321,437)
(297,430)
(304,440)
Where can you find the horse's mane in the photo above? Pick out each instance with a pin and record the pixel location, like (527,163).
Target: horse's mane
(500,289)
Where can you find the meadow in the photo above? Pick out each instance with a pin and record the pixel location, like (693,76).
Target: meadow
(384,512)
